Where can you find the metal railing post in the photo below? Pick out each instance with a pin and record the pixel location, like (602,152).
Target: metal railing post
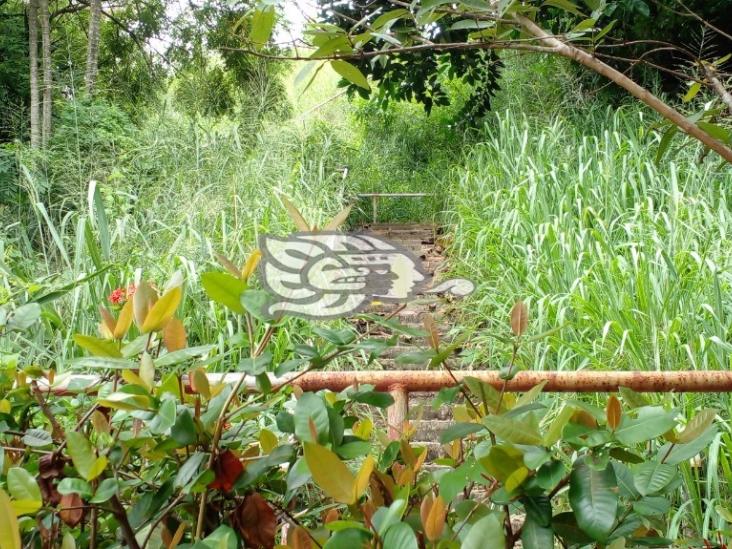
(397,413)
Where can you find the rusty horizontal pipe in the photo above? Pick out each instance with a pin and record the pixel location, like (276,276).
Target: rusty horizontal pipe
(427,381)
(579,382)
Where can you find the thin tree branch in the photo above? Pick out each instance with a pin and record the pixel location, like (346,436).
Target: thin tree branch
(595,64)
(510,45)
(717,85)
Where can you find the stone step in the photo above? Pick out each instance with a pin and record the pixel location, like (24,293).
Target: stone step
(430,430)
(434,449)
(420,407)
(428,228)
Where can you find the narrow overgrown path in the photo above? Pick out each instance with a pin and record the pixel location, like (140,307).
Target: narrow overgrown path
(425,242)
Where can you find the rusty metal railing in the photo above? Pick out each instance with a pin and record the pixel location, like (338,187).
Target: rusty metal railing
(375,197)
(399,383)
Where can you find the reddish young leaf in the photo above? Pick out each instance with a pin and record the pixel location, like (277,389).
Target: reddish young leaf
(256,521)
(72,510)
(174,335)
(298,538)
(331,515)
(614,412)
(228,468)
(519,318)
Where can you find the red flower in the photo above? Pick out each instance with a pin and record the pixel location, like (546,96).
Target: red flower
(118,296)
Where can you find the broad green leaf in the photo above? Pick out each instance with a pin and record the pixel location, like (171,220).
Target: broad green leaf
(75,486)
(674,454)
(512,430)
(454,481)
(697,426)
(24,490)
(102,362)
(633,399)
(22,485)
(9,532)
(224,289)
(531,395)
(565,526)
(267,440)
(373,398)
(584,25)
(337,44)
(651,477)
(263,21)
(351,73)
(165,417)
(652,506)
(86,462)
(25,506)
(350,538)
(593,498)
(504,461)
(665,143)
(97,346)
(310,407)
(386,517)
(565,5)
(223,537)
(554,433)
(37,438)
(652,422)
(691,94)
(536,536)
(189,469)
(256,303)
(184,429)
(715,130)
(106,489)
(516,479)
(163,310)
(189,353)
(125,401)
(330,473)
(389,16)
(490,528)
(24,317)
(400,536)
(68,541)
(459,430)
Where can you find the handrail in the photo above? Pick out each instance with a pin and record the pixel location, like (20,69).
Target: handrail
(376,196)
(583,381)
(399,383)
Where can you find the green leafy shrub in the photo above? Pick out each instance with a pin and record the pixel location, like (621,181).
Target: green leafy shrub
(155,451)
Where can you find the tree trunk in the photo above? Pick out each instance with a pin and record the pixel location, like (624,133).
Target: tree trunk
(92,51)
(35,100)
(47,74)
(593,63)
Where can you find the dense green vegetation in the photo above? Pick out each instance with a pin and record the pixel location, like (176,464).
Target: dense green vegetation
(558,199)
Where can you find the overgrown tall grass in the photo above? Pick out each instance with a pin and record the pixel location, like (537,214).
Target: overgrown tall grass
(555,200)
(627,259)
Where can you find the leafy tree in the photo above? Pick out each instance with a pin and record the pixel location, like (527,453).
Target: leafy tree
(508,24)
(156,451)
(418,76)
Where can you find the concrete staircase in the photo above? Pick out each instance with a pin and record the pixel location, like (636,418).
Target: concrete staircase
(424,241)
